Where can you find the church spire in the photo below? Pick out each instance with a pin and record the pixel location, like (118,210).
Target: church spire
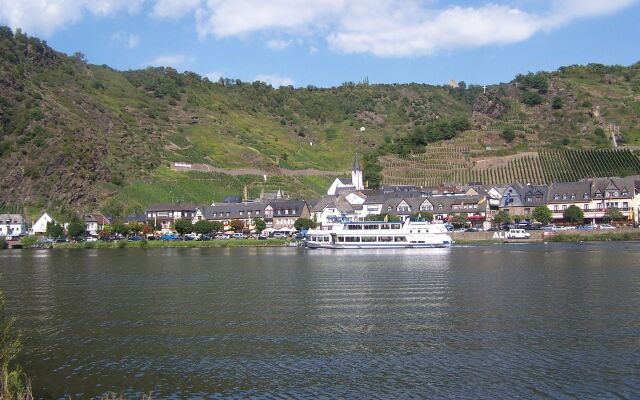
(356,164)
(356,174)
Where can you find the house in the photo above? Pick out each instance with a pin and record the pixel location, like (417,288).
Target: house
(353,183)
(521,199)
(12,225)
(330,211)
(284,213)
(227,212)
(164,215)
(95,222)
(40,226)
(562,195)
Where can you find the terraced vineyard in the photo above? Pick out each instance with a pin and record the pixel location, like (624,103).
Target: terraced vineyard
(454,164)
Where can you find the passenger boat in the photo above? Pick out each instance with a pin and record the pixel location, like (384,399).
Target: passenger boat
(379,235)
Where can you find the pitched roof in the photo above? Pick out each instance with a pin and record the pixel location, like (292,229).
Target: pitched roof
(172,207)
(338,202)
(233,210)
(289,208)
(11,219)
(567,189)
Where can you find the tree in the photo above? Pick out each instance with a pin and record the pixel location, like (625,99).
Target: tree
(135,227)
(203,227)
(422,216)
(54,230)
(613,214)
(382,217)
(509,134)
(13,385)
(183,226)
(557,103)
(120,229)
(260,225)
(147,229)
(542,214)
(459,220)
(502,217)
(573,214)
(237,225)
(304,224)
(75,229)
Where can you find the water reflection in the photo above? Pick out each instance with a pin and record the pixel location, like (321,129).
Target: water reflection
(499,322)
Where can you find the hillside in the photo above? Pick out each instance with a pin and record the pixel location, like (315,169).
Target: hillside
(77,136)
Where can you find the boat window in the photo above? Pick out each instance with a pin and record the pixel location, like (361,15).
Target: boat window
(340,239)
(396,226)
(369,239)
(352,239)
(372,226)
(399,239)
(385,238)
(385,226)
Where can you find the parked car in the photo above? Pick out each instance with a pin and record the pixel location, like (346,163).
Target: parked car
(518,233)
(91,239)
(606,226)
(238,235)
(61,240)
(585,227)
(566,228)
(471,230)
(169,236)
(203,238)
(280,235)
(262,237)
(493,229)
(135,238)
(222,236)
(550,227)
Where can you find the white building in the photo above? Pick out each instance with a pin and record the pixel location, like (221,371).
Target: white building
(12,225)
(355,183)
(40,226)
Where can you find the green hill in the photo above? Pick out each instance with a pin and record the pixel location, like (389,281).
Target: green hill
(77,136)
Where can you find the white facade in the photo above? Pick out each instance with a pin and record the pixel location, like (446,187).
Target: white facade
(40,226)
(12,225)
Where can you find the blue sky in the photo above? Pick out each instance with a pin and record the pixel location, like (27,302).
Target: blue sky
(327,42)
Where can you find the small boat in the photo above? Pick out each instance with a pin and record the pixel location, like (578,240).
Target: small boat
(379,235)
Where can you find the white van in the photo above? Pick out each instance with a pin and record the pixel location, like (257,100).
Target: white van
(518,234)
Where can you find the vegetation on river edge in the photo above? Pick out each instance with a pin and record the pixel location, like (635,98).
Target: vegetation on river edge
(13,383)
(155,244)
(594,237)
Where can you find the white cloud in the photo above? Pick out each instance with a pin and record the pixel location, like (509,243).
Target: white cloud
(173,8)
(275,80)
(277,44)
(43,17)
(170,60)
(129,41)
(313,50)
(385,28)
(393,28)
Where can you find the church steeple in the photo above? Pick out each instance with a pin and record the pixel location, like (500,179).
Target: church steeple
(356,164)
(356,174)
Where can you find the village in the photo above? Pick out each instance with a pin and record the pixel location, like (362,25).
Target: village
(600,203)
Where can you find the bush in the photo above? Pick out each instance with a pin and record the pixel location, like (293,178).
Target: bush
(121,244)
(509,134)
(28,242)
(144,243)
(3,243)
(531,98)
(557,103)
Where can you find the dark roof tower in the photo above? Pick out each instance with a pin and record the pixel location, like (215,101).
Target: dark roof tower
(356,164)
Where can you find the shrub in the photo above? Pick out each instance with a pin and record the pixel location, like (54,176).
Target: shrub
(28,242)
(509,134)
(531,98)
(121,244)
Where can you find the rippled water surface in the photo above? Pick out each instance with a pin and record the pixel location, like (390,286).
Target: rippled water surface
(526,321)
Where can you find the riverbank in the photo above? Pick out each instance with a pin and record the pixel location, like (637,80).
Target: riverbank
(622,234)
(155,244)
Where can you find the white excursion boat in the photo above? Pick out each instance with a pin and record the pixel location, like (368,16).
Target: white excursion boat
(379,235)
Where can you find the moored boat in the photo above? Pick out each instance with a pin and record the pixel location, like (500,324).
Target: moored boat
(379,235)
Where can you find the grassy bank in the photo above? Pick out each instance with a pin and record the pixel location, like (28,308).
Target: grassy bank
(594,237)
(155,244)
(13,383)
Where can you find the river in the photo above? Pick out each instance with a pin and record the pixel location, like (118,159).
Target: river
(504,321)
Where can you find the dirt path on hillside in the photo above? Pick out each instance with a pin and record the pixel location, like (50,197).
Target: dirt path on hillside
(185,167)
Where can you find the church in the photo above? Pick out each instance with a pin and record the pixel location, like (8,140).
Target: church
(353,183)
